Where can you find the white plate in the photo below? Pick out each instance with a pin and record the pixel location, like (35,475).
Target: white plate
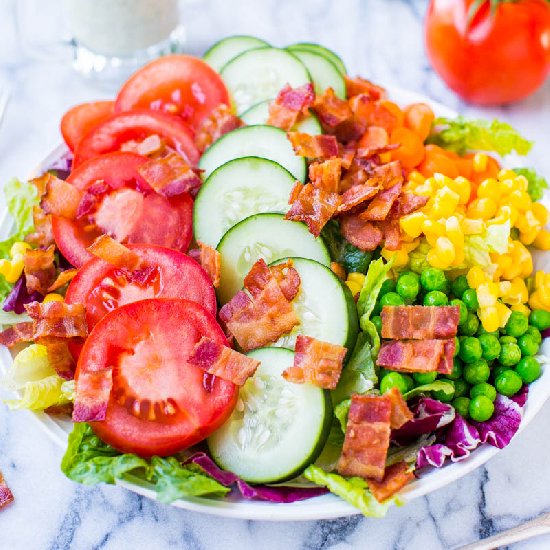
(327,506)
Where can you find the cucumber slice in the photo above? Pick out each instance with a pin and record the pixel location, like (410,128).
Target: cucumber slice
(259,113)
(317,48)
(236,190)
(324,73)
(227,48)
(277,428)
(259,74)
(267,236)
(324,305)
(254,141)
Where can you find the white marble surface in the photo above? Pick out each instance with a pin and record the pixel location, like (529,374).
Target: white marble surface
(377,38)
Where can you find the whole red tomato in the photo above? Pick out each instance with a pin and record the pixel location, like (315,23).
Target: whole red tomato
(489,51)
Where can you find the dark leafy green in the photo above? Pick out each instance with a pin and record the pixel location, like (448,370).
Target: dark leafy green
(353,259)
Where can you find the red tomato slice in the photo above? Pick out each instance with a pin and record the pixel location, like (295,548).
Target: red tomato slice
(178,84)
(80,119)
(154,219)
(111,134)
(101,287)
(159,403)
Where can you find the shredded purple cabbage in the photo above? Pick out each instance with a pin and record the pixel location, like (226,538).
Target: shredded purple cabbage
(19,296)
(262,492)
(62,166)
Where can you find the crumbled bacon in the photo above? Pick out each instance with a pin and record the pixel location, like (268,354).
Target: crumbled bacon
(380,206)
(210,260)
(326,174)
(219,122)
(392,234)
(6,496)
(288,278)
(262,315)
(39,269)
(62,279)
(43,233)
(313,206)
(409,202)
(374,139)
(90,199)
(446,362)
(58,319)
(357,195)
(347,155)
(60,198)
(92,392)
(319,363)
(117,254)
(417,355)
(367,437)
(21,332)
(222,361)
(59,356)
(360,233)
(316,147)
(170,175)
(358,85)
(285,109)
(395,478)
(419,322)
(390,173)
(331,110)
(400,412)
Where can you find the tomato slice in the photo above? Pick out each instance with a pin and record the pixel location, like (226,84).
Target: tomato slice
(101,287)
(159,403)
(80,119)
(130,211)
(120,128)
(178,84)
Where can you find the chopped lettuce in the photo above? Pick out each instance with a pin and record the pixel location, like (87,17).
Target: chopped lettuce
(353,490)
(439,385)
(32,376)
(367,326)
(537,184)
(343,252)
(12,318)
(409,453)
(341,412)
(376,275)
(461,135)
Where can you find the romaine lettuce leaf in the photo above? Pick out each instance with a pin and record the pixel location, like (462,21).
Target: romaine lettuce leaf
(376,275)
(341,412)
(537,184)
(439,385)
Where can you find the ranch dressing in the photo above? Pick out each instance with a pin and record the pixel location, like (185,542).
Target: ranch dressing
(121,27)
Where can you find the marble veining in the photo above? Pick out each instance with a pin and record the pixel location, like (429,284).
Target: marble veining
(377,38)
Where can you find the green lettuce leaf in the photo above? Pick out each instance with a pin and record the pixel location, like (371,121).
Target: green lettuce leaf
(12,318)
(461,135)
(353,490)
(439,385)
(409,453)
(343,252)
(368,327)
(376,275)
(537,184)
(341,412)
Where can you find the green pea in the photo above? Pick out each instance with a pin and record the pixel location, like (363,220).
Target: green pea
(408,286)
(442,396)
(393,380)
(463,315)
(460,284)
(422,378)
(456,372)
(490,346)
(461,387)
(391,299)
(517,324)
(469,297)
(510,355)
(540,319)
(498,370)
(508,383)
(433,279)
(481,408)
(457,347)
(377,322)
(528,369)
(535,334)
(507,340)
(435,298)
(477,372)
(461,405)
(527,345)
(471,325)
(470,349)
(484,389)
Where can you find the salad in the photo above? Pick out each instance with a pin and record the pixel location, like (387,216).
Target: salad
(254,273)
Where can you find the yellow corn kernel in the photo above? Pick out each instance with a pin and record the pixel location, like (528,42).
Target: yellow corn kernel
(15,270)
(354,287)
(522,308)
(540,212)
(444,203)
(522,183)
(542,240)
(444,250)
(535,302)
(488,188)
(19,248)
(504,287)
(521,199)
(539,278)
(412,224)
(433,228)
(425,190)
(528,237)
(484,208)
(503,313)
(476,277)
(508,185)
(454,231)
(517,293)
(53,297)
(489,318)
(461,186)
(473,227)
(417,177)
(506,174)
(544,295)
(338,270)
(487,294)
(358,278)
(479,162)
(5,267)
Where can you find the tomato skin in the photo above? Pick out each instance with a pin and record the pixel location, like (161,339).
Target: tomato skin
(165,331)
(80,119)
(181,84)
(493,59)
(111,134)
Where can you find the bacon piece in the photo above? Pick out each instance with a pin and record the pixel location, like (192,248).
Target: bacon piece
(219,122)
(210,260)
(92,393)
(409,202)
(60,198)
(357,195)
(90,199)
(319,363)
(392,234)
(288,279)
(367,437)
(58,319)
(416,355)
(222,361)
(170,175)
(42,235)
(6,496)
(62,279)
(113,252)
(395,478)
(321,147)
(313,206)
(400,412)
(326,175)
(264,316)
(59,356)
(347,154)
(380,206)
(390,173)
(39,269)
(419,322)
(360,233)
(358,85)
(21,332)
(285,109)
(331,110)
(372,141)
